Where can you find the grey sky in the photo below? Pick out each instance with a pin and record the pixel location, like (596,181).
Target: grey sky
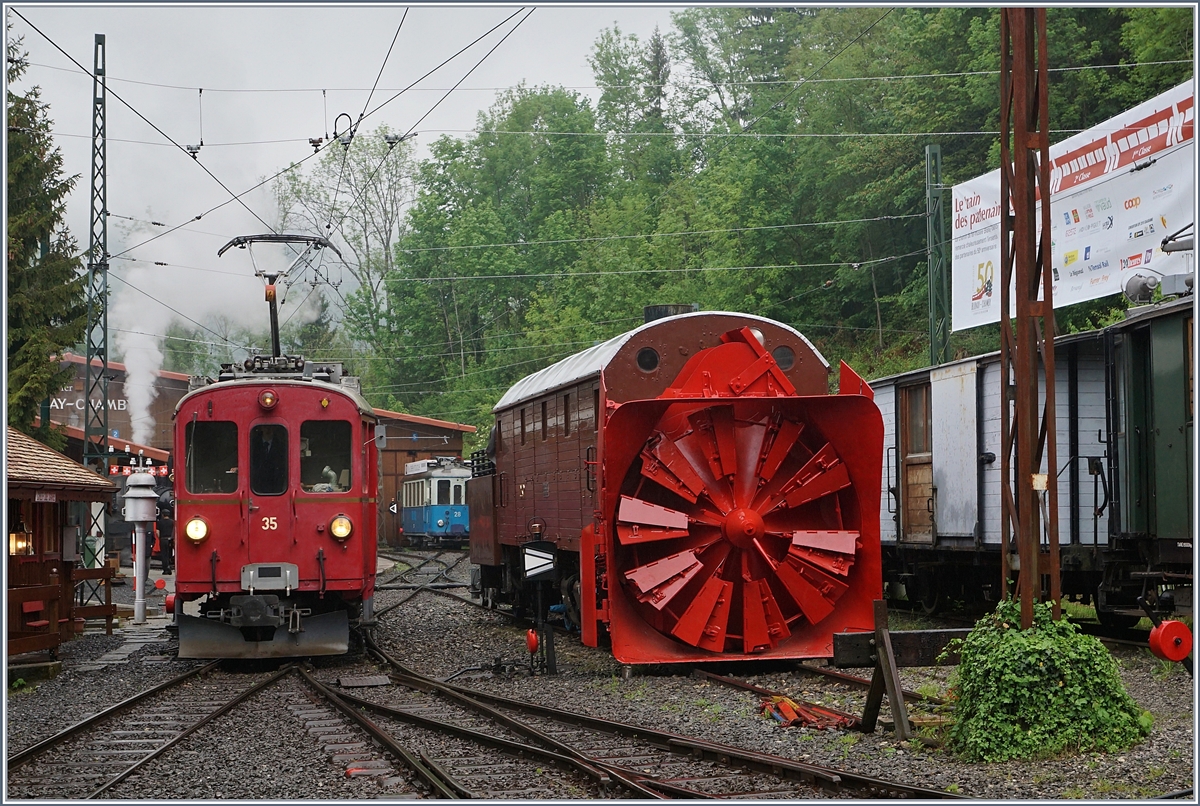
(336,48)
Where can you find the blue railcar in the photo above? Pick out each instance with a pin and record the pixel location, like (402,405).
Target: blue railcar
(433,502)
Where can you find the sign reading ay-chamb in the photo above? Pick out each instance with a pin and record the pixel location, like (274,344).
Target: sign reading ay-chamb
(1115,192)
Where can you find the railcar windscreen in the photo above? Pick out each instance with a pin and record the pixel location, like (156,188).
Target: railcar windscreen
(325,456)
(212,457)
(268,459)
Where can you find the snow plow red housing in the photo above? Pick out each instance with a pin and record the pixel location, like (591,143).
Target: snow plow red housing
(738,525)
(730,515)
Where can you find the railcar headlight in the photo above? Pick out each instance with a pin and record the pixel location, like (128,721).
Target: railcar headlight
(196,530)
(441,522)
(340,527)
(267,398)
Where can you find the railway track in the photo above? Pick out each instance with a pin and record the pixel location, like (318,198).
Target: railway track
(95,755)
(636,761)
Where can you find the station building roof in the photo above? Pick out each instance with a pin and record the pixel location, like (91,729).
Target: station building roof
(31,466)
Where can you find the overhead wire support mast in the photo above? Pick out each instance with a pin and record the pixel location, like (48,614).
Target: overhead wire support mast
(1025,253)
(95,419)
(935,267)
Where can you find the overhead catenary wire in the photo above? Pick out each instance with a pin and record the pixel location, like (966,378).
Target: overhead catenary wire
(681,270)
(149,123)
(279,173)
(408,133)
(646,85)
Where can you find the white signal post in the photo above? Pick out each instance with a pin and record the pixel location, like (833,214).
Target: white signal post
(140,503)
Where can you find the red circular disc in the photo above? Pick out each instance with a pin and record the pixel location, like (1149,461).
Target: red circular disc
(1171,640)
(160,583)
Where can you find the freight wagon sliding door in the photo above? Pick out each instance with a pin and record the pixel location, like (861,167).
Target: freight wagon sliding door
(955,450)
(916,465)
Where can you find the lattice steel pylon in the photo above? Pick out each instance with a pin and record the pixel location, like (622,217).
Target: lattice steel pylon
(95,422)
(1025,252)
(939,285)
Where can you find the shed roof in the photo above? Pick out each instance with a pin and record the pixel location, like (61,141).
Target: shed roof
(30,465)
(115,366)
(414,418)
(594,359)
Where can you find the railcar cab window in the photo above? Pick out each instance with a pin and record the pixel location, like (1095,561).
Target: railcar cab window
(268,459)
(212,457)
(325,451)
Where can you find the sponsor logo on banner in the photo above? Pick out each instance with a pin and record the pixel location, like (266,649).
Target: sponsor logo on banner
(1087,253)
(1071,232)
(984,276)
(1108,223)
(1101,280)
(1075,216)
(1103,203)
(1088,212)
(1103,264)
(1130,204)
(1146,257)
(1070,257)
(1067,217)
(1077,286)
(1131,262)
(1162,191)
(1075,272)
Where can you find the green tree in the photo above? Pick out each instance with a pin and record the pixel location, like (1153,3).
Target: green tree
(47,307)
(355,196)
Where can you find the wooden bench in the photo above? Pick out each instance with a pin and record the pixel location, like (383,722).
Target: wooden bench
(32,609)
(35,607)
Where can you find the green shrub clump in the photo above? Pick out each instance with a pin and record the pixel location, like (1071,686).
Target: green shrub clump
(1038,692)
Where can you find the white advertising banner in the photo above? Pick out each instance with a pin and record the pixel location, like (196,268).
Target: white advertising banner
(1116,191)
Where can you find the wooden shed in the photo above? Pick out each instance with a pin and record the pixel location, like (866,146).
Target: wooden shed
(47,493)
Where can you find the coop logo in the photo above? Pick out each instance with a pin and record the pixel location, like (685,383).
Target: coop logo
(1131,262)
(1165,190)
(1133,203)
(1103,264)
(1070,257)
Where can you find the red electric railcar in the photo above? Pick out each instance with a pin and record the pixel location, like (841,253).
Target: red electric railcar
(276,473)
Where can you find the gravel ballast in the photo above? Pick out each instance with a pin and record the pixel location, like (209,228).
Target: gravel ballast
(262,754)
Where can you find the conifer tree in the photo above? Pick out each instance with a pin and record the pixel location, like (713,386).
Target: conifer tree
(47,306)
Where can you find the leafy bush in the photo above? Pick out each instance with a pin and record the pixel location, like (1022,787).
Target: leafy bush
(1038,692)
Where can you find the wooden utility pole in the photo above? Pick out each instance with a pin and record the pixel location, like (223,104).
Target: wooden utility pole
(1025,254)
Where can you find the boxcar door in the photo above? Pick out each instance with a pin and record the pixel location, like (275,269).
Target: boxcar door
(269,520)
(916,465)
